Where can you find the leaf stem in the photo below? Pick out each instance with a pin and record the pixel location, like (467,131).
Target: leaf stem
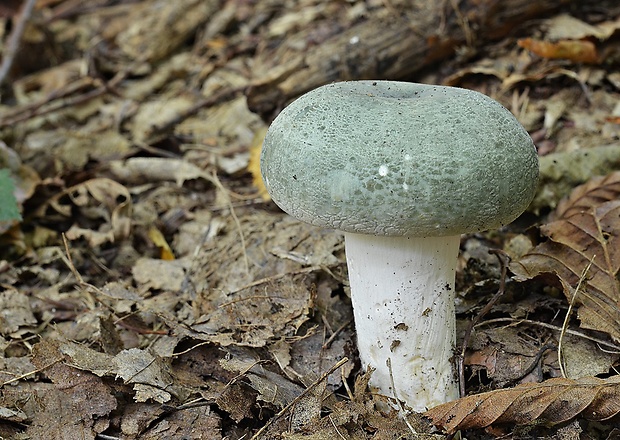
(569,312)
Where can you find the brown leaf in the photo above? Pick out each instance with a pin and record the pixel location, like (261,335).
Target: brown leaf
(254,165)
(191,423)
(15,313)
(579,51)
(139,170)
(553,401)
(255,314)
(586,228)
(71,407)
(105,203)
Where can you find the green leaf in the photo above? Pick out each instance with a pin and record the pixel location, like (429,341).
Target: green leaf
(9,210)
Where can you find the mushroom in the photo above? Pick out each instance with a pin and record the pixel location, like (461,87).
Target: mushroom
(403,169)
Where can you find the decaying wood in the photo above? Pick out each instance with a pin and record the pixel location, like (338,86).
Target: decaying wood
(395,46)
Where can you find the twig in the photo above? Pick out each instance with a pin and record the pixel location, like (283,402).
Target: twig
(463,23)
(86,287)
(249,298)
(272,278)
(334,334)
(52,102)
(48,103)
(535,362)
(552,327)
(216,181)
(193,347)
(568,313)
(313,385)
(72,8)
(336,428)
(15,39)
(502,286)
(346,385)
(25,375)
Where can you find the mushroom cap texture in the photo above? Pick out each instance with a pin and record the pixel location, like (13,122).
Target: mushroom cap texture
(396,158)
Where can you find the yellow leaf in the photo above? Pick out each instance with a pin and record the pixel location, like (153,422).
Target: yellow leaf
(254,165)
(158,239)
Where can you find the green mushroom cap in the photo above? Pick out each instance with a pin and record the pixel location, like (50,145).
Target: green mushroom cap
(395,158)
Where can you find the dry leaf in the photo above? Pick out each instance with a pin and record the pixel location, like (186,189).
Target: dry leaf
(139,366)
(310,357)
(159,112)
(306,413)
(40,84)
(256,314)
(553,401)
(147,36)
(254,165)
(102,203)
(152,274)
(586,229)
(578,51)
(140,170)
(149,374)
(565,26)
(200,422)
(158,239)
(75,402)
(16,316)
(272,388)
(25,178)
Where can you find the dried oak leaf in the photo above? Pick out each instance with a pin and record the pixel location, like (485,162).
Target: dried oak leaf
(553,401)
(585,228)
(76,405)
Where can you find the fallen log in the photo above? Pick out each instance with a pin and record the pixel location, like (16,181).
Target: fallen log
(395,46)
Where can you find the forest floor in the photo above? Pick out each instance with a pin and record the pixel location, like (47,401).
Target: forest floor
(152,290)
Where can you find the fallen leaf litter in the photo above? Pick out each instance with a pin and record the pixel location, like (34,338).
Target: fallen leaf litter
(143,118)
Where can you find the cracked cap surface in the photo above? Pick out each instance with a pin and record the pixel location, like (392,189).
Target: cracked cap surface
(395,158)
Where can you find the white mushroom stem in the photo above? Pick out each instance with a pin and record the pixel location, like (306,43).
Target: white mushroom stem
(402,289)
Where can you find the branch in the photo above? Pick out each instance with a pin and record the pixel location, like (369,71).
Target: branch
(15,38)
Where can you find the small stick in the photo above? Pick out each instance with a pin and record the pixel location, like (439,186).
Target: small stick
(276,277)
(25,375)
(479,316)
(336,428)
(15,39)
(535,362)
(335,334)
(568,313)
(515,321)
(283,411)
(346,385)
